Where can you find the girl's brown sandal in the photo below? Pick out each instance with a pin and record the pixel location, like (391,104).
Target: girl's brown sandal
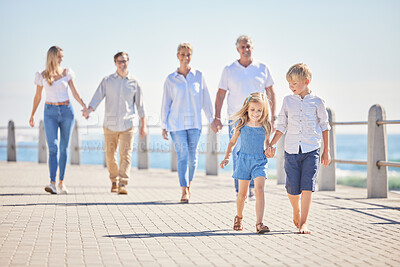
(261,228)
(237,223)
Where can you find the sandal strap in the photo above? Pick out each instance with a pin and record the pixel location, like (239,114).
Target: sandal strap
(238,220)
(260,226)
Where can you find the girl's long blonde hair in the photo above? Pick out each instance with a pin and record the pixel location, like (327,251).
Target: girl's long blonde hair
(52,64)
(242,116)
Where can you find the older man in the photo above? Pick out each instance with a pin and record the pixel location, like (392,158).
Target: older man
(241,78)
(122,92)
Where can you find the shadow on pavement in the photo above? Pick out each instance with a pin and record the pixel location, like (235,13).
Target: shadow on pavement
(118,203)
(360,210)
(224,232)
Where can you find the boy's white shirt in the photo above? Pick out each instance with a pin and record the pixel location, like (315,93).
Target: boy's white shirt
(303,121)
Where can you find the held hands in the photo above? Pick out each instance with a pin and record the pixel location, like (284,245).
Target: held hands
(86,111)
(224,163)
(216,125)
(325,158)
(270,152)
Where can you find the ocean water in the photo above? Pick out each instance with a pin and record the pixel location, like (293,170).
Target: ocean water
(349,147)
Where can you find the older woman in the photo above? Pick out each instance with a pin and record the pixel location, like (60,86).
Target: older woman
(185,95)
(58,112)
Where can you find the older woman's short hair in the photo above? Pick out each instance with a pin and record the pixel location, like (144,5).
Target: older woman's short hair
(244,38)
(185,45)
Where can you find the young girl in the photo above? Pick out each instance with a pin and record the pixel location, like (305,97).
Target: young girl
(58,112)
(253,125)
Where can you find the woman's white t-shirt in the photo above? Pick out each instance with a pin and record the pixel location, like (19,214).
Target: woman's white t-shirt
(58,91)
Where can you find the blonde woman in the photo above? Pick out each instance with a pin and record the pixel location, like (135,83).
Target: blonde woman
(58,113)
(185,95)
(254,128)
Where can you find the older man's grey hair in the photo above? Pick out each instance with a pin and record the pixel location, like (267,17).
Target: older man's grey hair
(244,38)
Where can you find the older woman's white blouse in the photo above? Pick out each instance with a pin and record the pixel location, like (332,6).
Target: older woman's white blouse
(183,100)
(58,91)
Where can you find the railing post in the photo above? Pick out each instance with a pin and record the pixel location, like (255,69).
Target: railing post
(174,157)
(75,146)
(143,152)
(11,144)
(42,145)
(280,161)
(377,177)
(212,162)
(327,175)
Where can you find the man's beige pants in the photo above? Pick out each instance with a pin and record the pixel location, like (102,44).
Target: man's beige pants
(111,140)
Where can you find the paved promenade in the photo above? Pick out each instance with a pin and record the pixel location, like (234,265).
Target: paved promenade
(148,227)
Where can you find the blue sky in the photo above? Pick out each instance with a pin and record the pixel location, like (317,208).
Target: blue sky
(351,46)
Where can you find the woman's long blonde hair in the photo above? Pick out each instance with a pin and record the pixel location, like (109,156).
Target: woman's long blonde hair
(242,116)
(52,64)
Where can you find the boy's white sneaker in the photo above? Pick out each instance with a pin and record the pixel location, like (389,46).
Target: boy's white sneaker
(51,188)
(252,197)
(62,189)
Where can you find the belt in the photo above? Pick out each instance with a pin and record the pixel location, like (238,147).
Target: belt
(58,103)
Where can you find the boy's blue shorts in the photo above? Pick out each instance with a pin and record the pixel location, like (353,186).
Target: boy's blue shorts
(301,171)
(249,167)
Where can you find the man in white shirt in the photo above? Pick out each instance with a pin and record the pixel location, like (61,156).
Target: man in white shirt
(241,78)
(122,93)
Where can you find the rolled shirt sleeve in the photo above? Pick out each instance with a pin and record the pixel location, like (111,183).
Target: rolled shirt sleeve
(323,116)
(283,118)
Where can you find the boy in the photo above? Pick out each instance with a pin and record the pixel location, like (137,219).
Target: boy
(304,119)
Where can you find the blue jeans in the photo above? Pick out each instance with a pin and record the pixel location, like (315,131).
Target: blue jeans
(58,117)
(235,156)
(186,142)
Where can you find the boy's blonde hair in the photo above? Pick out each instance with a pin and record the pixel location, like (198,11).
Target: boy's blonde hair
(52,64)
(185,45)
(299,71)
(242,116)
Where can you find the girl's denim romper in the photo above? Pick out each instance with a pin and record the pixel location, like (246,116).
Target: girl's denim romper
(251,162)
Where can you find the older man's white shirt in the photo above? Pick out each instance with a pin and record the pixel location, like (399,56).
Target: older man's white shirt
(241,81)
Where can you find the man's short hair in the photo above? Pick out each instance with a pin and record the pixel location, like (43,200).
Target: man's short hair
(244,38)
(185,45)
(117,55)
(299,71)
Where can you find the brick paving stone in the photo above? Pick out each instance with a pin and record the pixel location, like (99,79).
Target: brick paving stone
(149,227)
